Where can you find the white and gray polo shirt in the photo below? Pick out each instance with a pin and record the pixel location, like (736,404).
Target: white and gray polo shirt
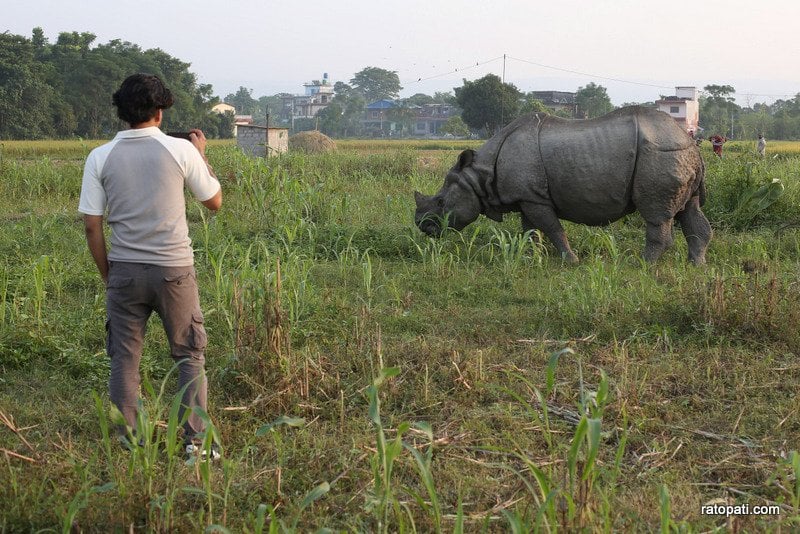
(138,178)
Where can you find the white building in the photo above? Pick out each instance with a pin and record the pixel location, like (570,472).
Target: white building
(318,96)
(684,107)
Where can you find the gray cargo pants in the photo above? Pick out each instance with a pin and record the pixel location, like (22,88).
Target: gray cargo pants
(133,292)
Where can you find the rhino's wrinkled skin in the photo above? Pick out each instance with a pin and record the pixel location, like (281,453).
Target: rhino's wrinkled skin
(586,171)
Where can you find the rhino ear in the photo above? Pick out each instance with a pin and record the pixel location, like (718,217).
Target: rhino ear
(465,158)
(493,214)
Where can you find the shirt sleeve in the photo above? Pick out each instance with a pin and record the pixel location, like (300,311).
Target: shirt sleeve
(93,196)
(199,179)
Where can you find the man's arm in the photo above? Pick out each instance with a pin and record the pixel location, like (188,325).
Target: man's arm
(215,202)
(96,240)
(198,139)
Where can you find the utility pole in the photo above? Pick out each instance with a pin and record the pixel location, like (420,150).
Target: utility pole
(502,100)
(266,135)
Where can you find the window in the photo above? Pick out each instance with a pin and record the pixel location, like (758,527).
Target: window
(674,109)
(375,114)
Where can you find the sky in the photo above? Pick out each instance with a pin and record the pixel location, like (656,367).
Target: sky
(636,49)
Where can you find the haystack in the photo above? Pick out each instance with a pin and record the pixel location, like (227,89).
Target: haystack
(311,142)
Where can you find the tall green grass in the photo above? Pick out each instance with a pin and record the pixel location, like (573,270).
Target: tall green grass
(364,377)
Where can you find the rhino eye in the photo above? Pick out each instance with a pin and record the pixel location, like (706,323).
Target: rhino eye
(440,202)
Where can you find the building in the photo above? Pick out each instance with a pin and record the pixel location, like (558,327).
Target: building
(684,107)
(318,95)
(223,108)
(260,141)
(383,116)
(376,117)
(241,120)
(558,101)
(431,117)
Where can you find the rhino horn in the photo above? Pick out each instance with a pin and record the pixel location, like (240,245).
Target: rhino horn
(419,198)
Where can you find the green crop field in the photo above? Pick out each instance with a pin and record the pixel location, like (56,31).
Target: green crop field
(366,378)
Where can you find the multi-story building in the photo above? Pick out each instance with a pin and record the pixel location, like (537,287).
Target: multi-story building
(318,95)
(558,101)
(376,118)
(684,107)
(431,117)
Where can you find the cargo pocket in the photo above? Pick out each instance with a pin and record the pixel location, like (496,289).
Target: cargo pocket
(198,336)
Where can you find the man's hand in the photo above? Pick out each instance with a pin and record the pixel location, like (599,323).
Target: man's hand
(198,139)
(96,241)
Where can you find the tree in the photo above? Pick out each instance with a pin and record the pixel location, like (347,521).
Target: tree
(243,101)
(27,102)
(419,99)
(487,103)
(445,98)
(786,119)
(531,104)
(342,89)
(64,89)
(331,121)
(342,117)
(219,125)
(403,115)
(273,105)
(593,100)
(718,109)
(375,84)
(755,122)
(455,126)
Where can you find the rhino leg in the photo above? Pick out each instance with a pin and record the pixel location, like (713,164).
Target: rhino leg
(527,225)
(543,217)
(657,239)
(696,230)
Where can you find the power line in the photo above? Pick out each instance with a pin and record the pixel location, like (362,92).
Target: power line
(580,73)
(477,64)
(587,74)
(632,82)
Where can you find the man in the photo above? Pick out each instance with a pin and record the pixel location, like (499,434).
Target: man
(762,145)
(717,141)
(138,180)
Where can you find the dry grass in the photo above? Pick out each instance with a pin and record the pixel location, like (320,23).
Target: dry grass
(311,142)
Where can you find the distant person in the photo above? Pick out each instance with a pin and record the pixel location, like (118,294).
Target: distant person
(762,145)
(137,180)
(716,143)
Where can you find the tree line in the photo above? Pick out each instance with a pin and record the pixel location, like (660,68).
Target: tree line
(63,89)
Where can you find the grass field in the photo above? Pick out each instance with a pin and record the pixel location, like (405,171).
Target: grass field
(366,378)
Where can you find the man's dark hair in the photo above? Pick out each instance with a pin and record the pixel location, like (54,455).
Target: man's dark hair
(139,98)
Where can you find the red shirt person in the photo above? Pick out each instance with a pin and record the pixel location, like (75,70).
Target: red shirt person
(716,143)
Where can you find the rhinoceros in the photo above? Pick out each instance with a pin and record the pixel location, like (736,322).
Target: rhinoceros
(591,171)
